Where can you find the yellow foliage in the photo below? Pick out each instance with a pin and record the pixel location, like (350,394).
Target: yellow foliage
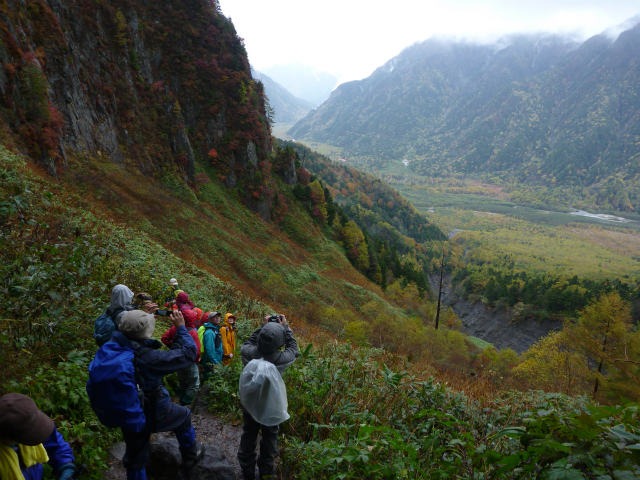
(356,333)
(551,365)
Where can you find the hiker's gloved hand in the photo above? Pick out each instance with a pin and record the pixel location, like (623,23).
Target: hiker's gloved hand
(67,472)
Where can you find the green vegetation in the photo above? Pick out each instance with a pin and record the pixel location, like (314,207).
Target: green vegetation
(535,262)
(64,248)
(357,413)
(182,179)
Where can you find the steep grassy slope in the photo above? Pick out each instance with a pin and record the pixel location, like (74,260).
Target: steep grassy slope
(295,269)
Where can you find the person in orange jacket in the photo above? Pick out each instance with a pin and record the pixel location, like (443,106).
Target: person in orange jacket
(228,331)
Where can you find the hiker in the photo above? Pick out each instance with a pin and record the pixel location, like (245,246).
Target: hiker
(121,301)
(228,332)
(29,439)
(183,302)
(212,350)
(162,415)
(144,301)
(267,342)
(170,292)
(188,377)
(199,317)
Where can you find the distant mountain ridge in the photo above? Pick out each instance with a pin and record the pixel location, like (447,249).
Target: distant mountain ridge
(537,109)
(286,107)
(303,82)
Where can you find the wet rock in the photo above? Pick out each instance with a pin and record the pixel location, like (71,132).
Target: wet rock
(165,463)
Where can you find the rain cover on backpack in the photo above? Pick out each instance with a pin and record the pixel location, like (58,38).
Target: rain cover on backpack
(263,393)
(103,328)
(112,387)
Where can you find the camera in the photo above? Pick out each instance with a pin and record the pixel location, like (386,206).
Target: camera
(275,317)
(163,313)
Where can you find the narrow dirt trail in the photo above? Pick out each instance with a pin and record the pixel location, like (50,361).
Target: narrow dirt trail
(210,430)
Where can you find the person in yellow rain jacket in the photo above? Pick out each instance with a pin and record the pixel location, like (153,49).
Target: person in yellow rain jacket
(228,332)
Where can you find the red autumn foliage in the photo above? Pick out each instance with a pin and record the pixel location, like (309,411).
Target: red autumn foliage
(304,176)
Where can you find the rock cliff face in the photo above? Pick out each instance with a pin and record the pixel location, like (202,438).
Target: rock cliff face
(494,325)
(153,85)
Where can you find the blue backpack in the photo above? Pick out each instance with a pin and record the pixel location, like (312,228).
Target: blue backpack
(103,328)
(112,387)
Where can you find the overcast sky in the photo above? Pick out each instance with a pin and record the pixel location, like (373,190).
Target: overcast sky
(351,38)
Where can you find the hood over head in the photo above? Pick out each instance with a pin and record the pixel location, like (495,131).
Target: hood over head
(182,299)
(271,338)
(121,296)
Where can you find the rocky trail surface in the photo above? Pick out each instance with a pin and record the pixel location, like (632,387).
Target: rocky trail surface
(221,442)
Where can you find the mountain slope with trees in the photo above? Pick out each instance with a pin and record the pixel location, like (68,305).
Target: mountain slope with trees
(136,147)
(539,110)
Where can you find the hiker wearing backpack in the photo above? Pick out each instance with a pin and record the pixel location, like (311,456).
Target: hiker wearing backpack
(228,333)
(212,350)
(275,343)
(188,377)
(107,322)
(133,359)
(29,439)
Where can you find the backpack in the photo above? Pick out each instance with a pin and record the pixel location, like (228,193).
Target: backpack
(103,328)
(263,392)
(112,387)
(201,337)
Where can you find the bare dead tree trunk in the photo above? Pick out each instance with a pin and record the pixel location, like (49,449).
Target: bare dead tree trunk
(440,289)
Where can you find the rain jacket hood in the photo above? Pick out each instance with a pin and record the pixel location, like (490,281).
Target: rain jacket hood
(183,301)
(121,297)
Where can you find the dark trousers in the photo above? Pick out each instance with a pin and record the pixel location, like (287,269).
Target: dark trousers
(137,446)
(248,444)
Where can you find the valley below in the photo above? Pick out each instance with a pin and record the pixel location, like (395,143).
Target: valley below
(483,224)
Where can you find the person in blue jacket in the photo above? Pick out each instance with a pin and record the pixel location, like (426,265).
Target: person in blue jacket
(162,414)
(29,439)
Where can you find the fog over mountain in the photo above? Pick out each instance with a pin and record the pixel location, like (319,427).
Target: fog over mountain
(303,82)
(539,109)
(286,107)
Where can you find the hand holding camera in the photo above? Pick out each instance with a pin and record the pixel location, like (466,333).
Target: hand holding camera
(278,318)
(150,307)
(177,318)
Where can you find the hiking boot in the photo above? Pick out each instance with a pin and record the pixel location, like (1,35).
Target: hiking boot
(191,457)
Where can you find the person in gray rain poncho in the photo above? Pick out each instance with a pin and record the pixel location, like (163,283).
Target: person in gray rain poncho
(273,342)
